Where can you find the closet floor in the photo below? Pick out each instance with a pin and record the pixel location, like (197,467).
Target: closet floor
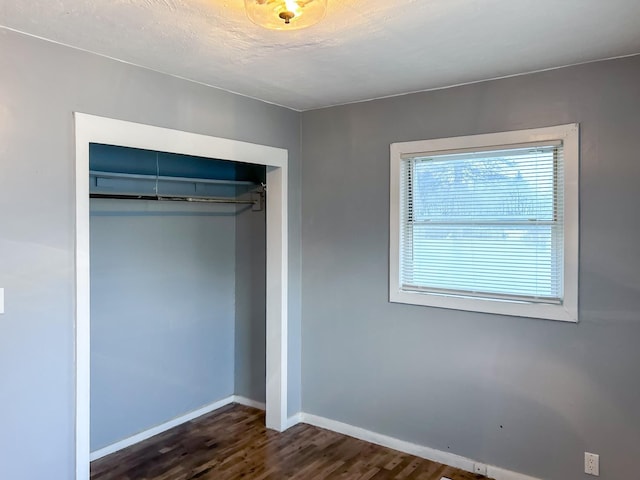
(232,443)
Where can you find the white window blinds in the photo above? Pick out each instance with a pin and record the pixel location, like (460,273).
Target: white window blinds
(486,223)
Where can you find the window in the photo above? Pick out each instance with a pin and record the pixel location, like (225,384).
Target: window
(487,223)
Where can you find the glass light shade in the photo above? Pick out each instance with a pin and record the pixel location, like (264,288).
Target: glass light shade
(285,14)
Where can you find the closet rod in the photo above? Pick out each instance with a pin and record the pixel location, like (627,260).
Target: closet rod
(172,198)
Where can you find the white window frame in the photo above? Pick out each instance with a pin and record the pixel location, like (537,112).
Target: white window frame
(568,310)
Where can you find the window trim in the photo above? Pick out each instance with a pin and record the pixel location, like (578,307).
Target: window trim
(568,310)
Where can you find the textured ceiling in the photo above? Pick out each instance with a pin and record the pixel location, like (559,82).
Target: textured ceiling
(362,49)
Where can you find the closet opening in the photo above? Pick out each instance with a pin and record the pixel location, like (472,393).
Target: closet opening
(178,271)
(180,281)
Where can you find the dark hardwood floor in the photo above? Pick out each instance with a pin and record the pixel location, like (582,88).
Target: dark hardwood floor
(232,443)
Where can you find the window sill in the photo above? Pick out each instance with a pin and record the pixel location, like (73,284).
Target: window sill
(545,311)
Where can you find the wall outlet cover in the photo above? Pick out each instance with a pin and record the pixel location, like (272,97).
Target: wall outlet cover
(480,468)
(592,464)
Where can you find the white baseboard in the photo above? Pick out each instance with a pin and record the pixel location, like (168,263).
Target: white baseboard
(421,451)
(293,420)
(139,437)
(247,402)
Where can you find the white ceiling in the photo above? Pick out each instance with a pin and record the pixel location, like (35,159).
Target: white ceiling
(362,49)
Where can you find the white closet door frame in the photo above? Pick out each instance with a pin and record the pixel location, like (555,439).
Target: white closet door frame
(94,129)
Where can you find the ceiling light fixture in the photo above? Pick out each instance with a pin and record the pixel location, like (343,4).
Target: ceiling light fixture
(285,14)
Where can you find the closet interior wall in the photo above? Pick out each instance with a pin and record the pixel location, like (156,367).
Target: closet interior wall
(250,331)
(177,311)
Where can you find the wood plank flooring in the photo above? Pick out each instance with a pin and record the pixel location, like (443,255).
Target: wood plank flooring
(232,443)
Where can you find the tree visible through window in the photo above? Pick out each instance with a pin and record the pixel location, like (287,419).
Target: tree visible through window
(484,223)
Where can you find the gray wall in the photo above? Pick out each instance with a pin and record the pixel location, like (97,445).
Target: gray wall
(441,378)
(528,395)
(162,313)
(41,85)
(250,327)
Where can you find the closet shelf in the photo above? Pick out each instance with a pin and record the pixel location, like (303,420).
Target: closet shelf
(162,178)
(133,186)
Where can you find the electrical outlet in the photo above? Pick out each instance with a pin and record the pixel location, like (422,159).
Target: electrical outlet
(592,464)
(480,468)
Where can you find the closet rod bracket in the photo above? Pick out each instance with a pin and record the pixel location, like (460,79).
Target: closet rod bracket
(258,198)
